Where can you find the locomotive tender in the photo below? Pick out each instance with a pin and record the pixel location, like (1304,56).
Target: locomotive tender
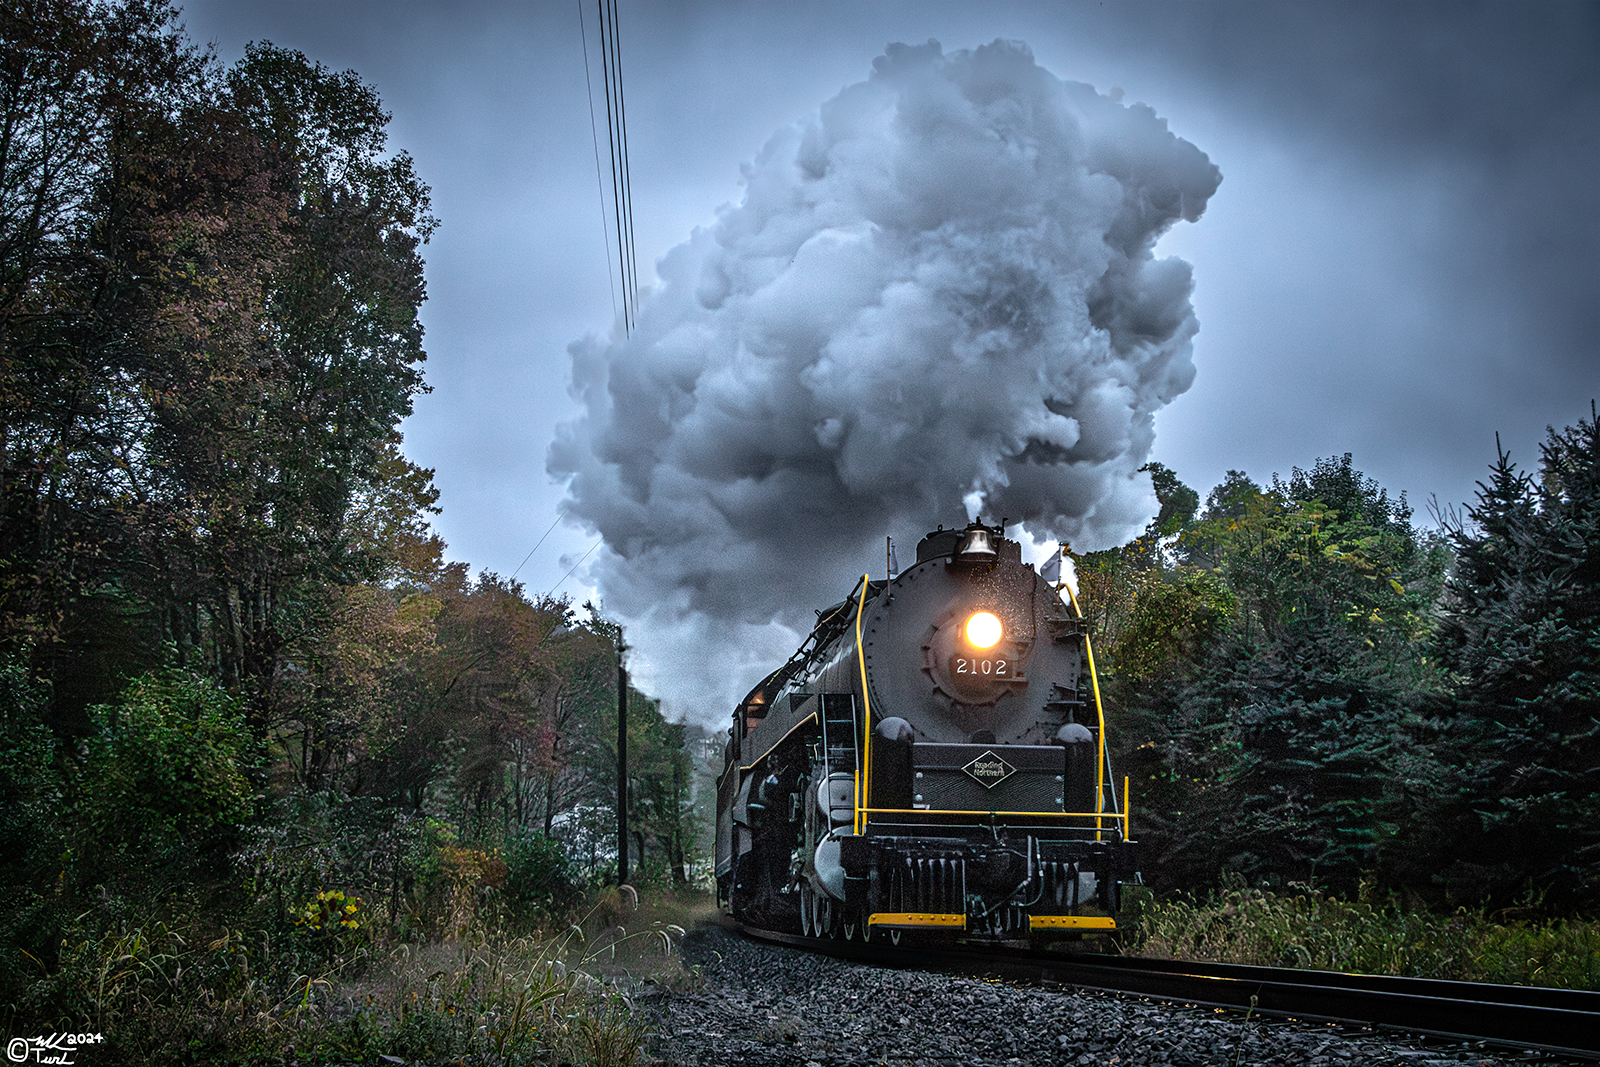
(932,760)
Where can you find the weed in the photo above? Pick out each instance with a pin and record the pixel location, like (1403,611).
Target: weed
(1304,928)
(170,994)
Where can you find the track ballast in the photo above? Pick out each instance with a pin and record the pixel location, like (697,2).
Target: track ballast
(1564,1021)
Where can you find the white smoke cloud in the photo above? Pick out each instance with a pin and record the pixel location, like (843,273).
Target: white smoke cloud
(938,297)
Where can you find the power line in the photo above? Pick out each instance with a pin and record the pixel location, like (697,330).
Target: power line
(599,183)
(624,167)
(627,161)
(611,140)
(534,549)
(621,183)
(574,567)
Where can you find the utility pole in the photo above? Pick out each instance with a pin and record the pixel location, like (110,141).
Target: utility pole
(622,764)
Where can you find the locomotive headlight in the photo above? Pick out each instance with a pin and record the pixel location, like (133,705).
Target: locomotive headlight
(983,630)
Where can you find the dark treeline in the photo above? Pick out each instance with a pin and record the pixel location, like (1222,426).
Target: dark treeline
(235,669)
(1312,689)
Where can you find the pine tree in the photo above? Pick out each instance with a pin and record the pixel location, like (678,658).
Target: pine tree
(1522,803)
(1268,677)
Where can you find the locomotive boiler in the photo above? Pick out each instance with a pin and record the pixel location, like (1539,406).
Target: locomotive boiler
(931,760)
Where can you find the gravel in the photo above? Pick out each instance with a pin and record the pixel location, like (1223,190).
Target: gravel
(761,1005)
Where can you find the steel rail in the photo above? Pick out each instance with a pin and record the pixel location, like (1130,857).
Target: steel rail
(1565,1021)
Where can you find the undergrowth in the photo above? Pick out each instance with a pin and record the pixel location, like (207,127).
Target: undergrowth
(1305,928)
(182,994)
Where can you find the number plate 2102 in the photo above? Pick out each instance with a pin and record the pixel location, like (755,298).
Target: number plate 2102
(982,667)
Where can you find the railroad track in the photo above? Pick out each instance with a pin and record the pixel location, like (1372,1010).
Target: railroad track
(1555,1020)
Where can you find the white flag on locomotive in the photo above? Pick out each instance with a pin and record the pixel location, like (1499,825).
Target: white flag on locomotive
(1050,571)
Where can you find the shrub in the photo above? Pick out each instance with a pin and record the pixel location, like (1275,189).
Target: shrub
(539,873)
(32,913)
(163,778)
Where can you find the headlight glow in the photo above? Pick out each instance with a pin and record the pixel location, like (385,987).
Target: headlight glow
(983,630)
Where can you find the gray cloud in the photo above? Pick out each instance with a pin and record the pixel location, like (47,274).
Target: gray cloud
(1401,262)
(938,296)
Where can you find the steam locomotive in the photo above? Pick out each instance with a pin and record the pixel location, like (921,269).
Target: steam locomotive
(930,762)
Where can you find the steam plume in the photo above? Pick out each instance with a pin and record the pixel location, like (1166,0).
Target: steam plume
(939,296)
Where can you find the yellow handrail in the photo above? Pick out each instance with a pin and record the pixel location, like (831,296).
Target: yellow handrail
(1127,811)
(1094,683)
(1100,764)
(985,811)
(862,768)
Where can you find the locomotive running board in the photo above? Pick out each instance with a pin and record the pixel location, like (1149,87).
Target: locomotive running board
(919,920)
(1071,922)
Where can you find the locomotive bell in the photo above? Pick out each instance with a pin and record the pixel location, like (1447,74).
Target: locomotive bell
(977,545)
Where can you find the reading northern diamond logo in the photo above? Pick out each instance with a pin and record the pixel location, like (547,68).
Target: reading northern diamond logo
(990,769)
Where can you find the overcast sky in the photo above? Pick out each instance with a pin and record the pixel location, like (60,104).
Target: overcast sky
(1401,259)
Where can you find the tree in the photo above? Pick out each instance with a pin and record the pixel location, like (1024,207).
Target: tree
(275,477)
(209,284)
(1116,584)
(1264,665)
(498,685)
(80,85)
(1520,806)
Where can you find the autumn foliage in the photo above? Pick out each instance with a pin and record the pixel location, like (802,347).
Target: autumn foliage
(243,694)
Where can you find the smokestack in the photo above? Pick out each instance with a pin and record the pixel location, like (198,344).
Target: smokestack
(939,295)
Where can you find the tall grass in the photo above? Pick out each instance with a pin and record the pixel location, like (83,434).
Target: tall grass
(170,995)
(1305,928)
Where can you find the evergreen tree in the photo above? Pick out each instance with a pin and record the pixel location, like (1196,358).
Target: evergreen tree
(1267,673)
(1520,804)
